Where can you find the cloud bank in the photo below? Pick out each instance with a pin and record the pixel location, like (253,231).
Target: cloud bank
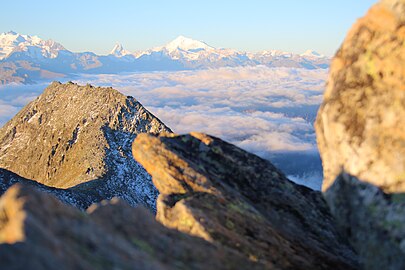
(260,109)
(267,111)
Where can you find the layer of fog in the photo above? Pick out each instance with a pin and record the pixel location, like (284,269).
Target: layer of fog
(267,111)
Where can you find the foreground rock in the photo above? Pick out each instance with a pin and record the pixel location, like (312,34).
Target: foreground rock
(360,125)
(360,131)
(373,221)
(39,232)
(80,137)
(216,191)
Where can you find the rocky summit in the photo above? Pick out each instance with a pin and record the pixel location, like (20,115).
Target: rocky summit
(234,199)
(79,137)
(360,125)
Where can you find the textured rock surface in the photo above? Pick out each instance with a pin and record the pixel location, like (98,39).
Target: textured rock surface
(39,232)
(360,125)
(372,220)
(214,190)
(361,137)
(80,137)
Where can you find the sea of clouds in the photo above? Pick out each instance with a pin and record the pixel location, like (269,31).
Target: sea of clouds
(267,111)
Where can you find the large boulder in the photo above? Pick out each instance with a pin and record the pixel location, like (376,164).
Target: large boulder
(214,190)
(361,137)
(39,232)
(360,125)
(80,137)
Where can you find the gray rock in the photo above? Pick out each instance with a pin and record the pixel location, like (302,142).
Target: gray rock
(372,220)
(361,138)
(360,125)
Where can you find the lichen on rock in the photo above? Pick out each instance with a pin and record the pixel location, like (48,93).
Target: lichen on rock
(360,125)
(361,137)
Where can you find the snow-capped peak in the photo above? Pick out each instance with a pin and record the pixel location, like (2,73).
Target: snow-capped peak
(311,53)
(118,50)
(182,48)
(186,44)
(12,39)
(12,42)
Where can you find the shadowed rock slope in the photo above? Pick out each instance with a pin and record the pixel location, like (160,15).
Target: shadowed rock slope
(234,199)
(78,197)
(39,232)
(80,137)
(372,220)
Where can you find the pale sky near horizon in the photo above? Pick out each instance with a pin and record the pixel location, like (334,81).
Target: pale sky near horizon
(90,25)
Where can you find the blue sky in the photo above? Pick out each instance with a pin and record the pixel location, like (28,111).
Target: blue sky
(90,25)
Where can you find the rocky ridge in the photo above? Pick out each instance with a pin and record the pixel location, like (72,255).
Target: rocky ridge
(79,137)
(214,190)
(219,208)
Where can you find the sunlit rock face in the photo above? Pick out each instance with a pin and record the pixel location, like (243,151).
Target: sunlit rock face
(80,137)
(360,133)
(227,196)
(360,125)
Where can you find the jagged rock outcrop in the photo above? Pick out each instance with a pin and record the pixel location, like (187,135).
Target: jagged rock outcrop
(234,199)
(360,125)
(79,137)
(39,232)
(372,220)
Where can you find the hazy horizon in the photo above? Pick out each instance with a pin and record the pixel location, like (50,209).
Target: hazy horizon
(293,26)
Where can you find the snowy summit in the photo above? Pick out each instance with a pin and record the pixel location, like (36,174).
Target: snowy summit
(119,51)
(34,46)
(311,53)
(186,44)
(20,55)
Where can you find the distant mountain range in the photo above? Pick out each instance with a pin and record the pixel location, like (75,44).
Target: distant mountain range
(27,59)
